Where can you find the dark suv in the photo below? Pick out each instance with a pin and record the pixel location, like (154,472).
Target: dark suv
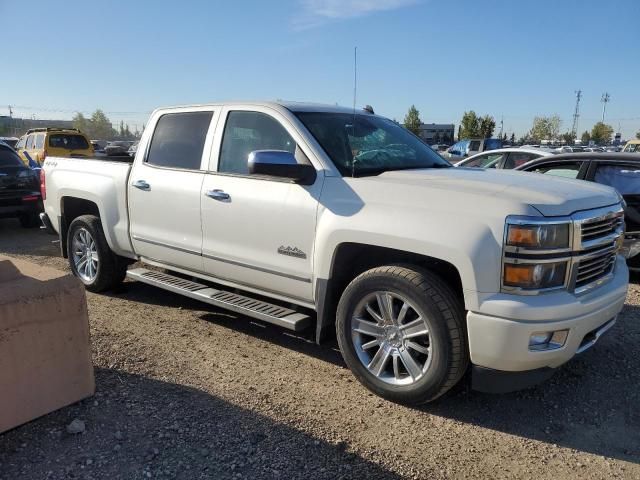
(19,189)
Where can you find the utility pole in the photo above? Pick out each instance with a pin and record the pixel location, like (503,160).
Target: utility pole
(606,98)
(576,114)
(501,126)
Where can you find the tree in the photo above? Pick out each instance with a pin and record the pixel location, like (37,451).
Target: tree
(638,134)
(601,133)
(469,125)
(101,126)
(585,138)
(487,126)
(512,140)
(567,138)
(80,122)
(412,120)
(545,128)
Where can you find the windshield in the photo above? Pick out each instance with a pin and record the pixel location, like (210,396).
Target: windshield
(69,142)
(369,146)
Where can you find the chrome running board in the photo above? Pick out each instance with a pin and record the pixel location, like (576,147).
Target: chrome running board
(261,310)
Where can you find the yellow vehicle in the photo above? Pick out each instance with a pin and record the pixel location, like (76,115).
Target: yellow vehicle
(38,143)
(632,146)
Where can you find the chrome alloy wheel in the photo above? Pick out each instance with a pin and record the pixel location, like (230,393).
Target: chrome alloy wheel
(85,255)
(391,338)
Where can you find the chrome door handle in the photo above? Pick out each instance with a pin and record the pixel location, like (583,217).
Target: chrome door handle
(142,185)
(219,195)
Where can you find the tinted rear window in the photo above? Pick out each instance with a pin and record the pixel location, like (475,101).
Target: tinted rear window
(9,158)
(70,142)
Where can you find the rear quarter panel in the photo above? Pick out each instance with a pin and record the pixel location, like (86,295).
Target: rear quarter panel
(101,182)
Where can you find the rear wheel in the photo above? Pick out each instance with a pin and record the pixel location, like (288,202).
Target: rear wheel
(401,332)
(90,258)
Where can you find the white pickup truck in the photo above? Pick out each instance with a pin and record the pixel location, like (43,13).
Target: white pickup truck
(334,219)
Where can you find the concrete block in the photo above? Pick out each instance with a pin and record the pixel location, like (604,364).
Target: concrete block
(45,352)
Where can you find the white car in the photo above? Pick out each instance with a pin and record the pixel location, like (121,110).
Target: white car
(348,223)
(504,158)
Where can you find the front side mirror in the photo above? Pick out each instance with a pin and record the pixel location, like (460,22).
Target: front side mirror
(282,164)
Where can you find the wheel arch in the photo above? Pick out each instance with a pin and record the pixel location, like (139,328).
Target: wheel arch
(351,259)
(70,209)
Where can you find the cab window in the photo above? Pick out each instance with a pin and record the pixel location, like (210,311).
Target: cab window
(565,170)
(517,159)
(178,140)
(21,143)
(29,144)
(490,160)
(39,141)
(624,178)
(246,132)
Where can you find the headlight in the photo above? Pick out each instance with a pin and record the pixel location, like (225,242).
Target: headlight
(536,276)
(539,237)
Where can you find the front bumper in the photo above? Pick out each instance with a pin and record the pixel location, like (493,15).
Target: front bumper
(499,333)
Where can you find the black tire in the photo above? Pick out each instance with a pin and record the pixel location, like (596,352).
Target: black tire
(446,324)
(111,269)
(29,220)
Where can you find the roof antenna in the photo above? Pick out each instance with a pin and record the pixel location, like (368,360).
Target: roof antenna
(355,91)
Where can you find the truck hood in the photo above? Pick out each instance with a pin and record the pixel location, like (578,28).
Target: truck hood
(551,196)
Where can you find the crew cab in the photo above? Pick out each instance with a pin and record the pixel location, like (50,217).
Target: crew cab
(311,216)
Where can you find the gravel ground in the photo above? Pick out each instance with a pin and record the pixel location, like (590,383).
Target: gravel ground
(186,391)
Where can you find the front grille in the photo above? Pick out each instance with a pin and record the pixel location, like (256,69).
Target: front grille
(596,266)
(600,227)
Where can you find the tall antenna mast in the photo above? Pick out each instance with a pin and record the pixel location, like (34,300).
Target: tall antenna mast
(606,98)
(355,92)
(576,114)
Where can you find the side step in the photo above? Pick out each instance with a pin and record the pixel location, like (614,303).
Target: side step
(267,312)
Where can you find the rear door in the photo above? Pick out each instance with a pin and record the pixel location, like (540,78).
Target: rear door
(165,187)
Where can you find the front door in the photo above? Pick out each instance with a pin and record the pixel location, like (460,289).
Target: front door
(258,231)
(164,190)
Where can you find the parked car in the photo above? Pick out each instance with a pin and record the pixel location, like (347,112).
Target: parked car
(11,141)
(19,189)
(467,148)
(38,143)
(503,158)
(347,222)
(632,146)
(618,170)
(119,147)
(439,147)
(132,149)
(99,145)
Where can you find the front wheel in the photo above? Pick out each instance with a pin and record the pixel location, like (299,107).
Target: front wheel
(401,332)
(90,258)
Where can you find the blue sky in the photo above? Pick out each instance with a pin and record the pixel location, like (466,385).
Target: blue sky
(515,59)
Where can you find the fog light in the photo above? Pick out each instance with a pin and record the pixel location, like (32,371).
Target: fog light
(548,340)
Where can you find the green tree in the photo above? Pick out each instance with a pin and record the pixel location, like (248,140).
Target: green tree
(568,138)
(545,128)
(81,123)
(486,126)
(585,138)
(638,134)
(101,126)
(601,133)
(469,126)
(512,140)
(412,120)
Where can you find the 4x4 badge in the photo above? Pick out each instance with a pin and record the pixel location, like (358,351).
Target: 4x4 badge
(291,252)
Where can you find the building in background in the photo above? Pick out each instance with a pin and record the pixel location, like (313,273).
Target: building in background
(16,127)
(437,132)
